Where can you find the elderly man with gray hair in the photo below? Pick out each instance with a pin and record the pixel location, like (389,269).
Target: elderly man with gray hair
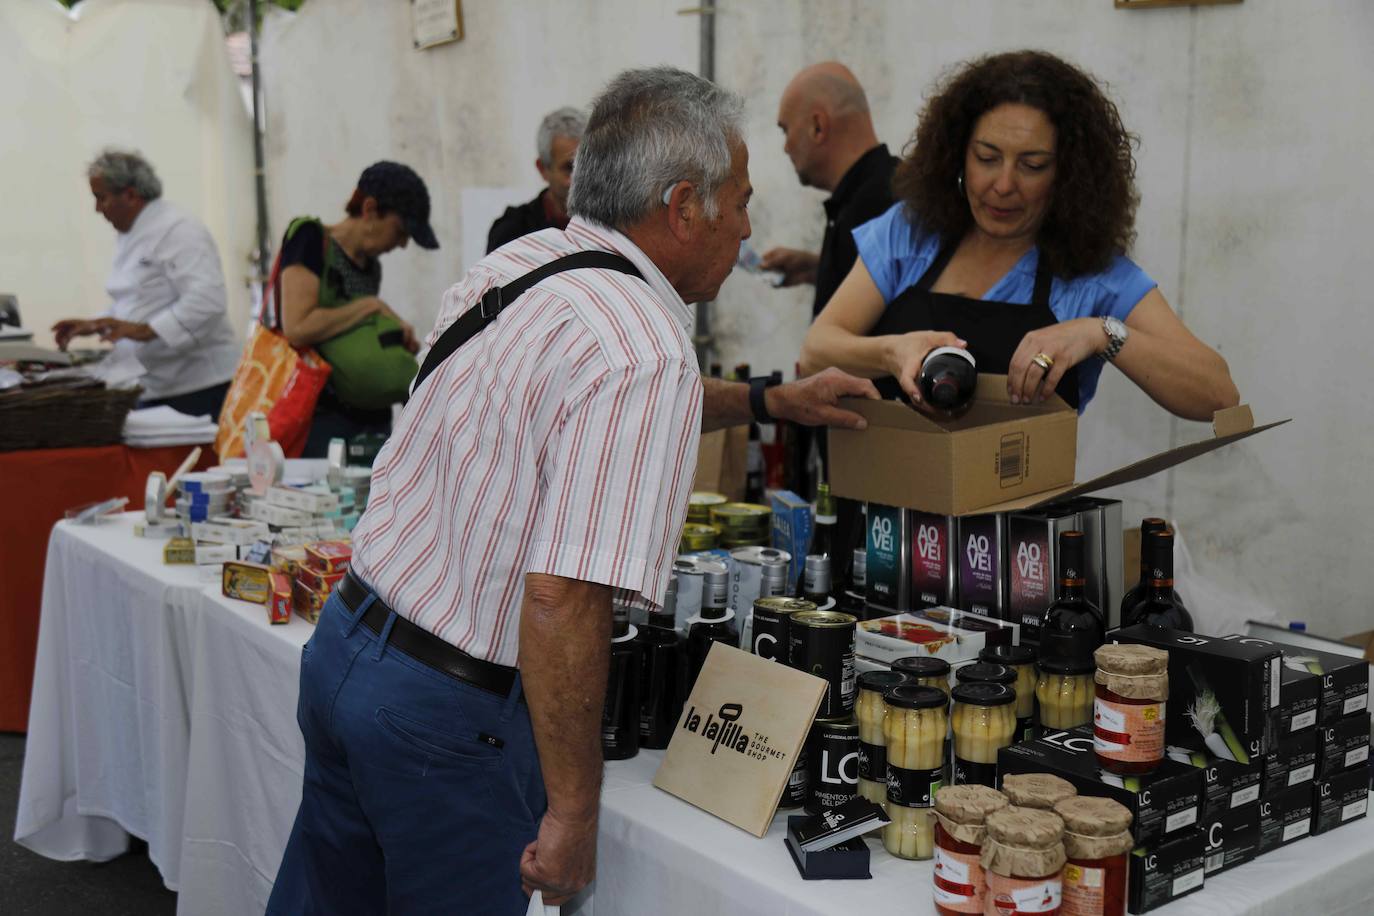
(556,144)
(452,692)
(167,302)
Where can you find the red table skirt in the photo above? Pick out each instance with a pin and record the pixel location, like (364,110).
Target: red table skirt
(36,488)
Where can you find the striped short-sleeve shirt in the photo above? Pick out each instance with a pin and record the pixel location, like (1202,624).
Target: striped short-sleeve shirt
(562,439)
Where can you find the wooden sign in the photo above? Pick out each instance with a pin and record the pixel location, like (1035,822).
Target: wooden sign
(739,736)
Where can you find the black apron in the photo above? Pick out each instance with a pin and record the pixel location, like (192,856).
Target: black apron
(992,329)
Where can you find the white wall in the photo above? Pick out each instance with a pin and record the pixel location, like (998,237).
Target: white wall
(147,74)
(1255,126)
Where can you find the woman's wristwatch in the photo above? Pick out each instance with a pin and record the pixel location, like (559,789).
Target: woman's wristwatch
(1116,337)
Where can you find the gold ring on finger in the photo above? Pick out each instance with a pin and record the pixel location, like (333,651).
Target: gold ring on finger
(1044,361)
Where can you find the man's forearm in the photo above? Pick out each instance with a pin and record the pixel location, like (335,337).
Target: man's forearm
(724,404)
(565,639)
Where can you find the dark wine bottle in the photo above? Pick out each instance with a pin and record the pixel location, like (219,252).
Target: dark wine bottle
(620,713)
(1136,593)
(1160,606)
(714,623)
(1073,627)
(947,379)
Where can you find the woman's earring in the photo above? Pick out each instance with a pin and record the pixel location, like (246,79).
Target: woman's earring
(961,183)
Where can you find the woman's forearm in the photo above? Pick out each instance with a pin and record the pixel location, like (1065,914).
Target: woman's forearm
(1188,379)
(320,324)
(829,345)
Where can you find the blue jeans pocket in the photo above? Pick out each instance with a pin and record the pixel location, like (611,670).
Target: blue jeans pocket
(429,746)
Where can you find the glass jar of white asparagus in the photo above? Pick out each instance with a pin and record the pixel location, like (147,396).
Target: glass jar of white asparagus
(984,722)
(869,710)
(1065,692)
(1020,659)
(915,724)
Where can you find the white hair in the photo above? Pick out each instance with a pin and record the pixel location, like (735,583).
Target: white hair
(650,129)
(121,169)
(565,122)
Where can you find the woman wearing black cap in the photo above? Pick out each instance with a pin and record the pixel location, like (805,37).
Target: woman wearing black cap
(327,286)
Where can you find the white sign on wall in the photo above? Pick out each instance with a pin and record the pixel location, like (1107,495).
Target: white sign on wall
(434,22)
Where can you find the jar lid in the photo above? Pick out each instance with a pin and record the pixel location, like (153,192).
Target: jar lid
(914,696)
(882,680)
(1024,842)
(1062,665)
(1094,828)
(985,673)
(969,804)
(1007,655)
(922,666)
(1037,790)
(1134,672)
(981,693)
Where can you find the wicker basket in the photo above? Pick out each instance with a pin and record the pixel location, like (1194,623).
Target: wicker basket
(64,415)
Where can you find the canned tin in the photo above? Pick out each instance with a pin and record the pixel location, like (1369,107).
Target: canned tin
(833,761)
(822,643)
(690,573)
(770,626)
(761,540)
(755,572)
(698,537)
(699,506)
(742,520)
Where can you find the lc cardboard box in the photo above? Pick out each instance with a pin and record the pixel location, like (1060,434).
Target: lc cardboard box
(997,457)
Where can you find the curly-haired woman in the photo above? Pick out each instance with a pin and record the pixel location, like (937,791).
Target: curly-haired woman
(1016,208)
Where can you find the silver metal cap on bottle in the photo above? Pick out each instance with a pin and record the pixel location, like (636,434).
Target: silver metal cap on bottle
(816,574)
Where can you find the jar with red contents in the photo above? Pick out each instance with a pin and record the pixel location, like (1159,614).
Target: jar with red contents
(959,885)
(1023,859)
(1132,684)
(1097,842)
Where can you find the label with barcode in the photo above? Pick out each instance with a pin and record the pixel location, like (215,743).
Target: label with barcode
(1296,829)
(1359,755)
(1011,459)
(1214,861)
(1245,796)
(1354,809)
(1303,720)
(1301,774)
(1355,704)
(1188,882)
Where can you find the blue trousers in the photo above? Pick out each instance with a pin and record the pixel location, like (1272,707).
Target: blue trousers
(421,791)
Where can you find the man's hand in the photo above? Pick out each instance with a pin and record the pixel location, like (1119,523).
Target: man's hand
(68,328)
(562,859)
(797,266)
(813,401)
(113,329)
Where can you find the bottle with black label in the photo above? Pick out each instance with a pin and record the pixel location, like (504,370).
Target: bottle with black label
(852,600)
(620,713)
(1148,526)
(753,465)
(1160,606)
(816,579)
(714,623)
(1073,626)
(948,379)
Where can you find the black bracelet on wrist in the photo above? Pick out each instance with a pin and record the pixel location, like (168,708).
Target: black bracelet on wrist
(757,386)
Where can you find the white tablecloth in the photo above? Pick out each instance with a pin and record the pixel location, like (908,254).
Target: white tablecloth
(167,711)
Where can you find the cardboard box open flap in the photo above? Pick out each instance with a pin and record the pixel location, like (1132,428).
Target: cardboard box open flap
(997,457)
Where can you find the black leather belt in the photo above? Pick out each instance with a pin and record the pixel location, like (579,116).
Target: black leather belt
(424,646)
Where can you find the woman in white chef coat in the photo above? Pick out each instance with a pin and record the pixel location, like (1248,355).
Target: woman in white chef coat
(167,303)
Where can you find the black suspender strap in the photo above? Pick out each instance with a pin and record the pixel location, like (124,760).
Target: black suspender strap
(498,298)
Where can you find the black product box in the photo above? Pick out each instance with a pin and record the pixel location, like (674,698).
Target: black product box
(1236,680)
(1032,565)
(1232,838)
(848,859)
(887,557)
(1166,801)
(1226,785)
(1285,817)
(1167,871)
(981,555)
(1339,800)
(1342,745)
(934,570)
(1292,762)
(1344,680)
